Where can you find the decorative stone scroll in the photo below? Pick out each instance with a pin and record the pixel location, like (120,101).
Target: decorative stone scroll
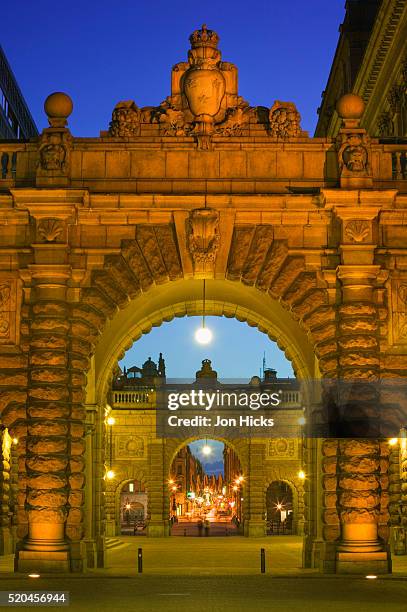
(203,238)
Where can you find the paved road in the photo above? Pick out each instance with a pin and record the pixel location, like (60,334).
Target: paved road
(148,593)
(202,556)
(217,575)
(215,529)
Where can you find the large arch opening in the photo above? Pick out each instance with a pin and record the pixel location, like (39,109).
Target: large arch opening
(175,302)
(183,298)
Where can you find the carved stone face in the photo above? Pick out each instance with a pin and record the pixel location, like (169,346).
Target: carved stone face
(52,157)
(355,158)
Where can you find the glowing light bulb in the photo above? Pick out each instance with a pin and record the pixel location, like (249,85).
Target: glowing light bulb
(393,441)
(34,575)
(110,474)
(206,450)
(128,506)
(15,440)
(301,475)
(301,421)
(203,335)
(111,420)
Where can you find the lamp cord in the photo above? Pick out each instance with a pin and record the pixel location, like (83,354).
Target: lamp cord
(204,292)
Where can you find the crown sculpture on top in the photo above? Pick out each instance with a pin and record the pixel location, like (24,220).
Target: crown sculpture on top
(204,102)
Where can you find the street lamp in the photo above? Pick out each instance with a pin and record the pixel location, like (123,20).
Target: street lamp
(206,449)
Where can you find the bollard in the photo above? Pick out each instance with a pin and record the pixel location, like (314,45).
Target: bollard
(263,560)
(140,560)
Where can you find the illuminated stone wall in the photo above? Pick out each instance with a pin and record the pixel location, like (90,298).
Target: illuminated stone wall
(102,238)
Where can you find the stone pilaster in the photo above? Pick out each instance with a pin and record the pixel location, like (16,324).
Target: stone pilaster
(255,522)
(158,519)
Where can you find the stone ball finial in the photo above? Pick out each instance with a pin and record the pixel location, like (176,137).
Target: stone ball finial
(350,106)
(58,106)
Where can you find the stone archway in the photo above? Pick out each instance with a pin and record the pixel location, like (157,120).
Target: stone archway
(288,497)
(140,501)
(240,451)
(93,225)
(162,303)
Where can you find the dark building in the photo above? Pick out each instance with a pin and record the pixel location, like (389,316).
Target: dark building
(16,122)
(370,61)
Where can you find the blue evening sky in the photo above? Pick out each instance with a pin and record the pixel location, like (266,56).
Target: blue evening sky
(100,52)
(236,350)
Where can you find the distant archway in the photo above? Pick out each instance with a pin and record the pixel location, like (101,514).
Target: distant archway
(206,498)
(281,508)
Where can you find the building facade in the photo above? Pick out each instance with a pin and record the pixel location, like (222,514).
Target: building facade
(16,122)
(133,434)
(104,238)
(371,61)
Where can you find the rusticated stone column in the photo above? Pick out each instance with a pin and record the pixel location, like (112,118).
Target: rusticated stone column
(255,519)
(361,463)
(54,445)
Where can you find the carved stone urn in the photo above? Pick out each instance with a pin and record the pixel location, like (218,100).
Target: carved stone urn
(203,83)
